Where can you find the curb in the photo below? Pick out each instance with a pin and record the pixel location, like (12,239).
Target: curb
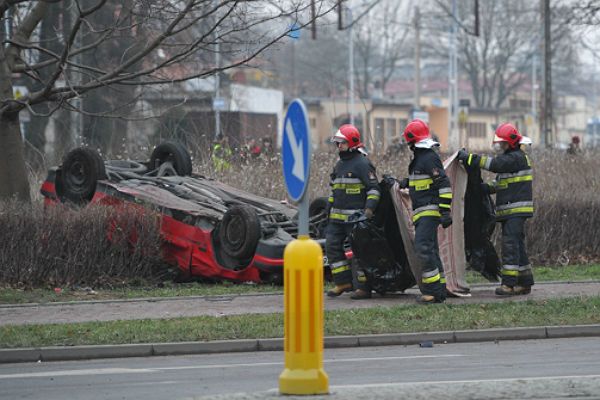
(60,353)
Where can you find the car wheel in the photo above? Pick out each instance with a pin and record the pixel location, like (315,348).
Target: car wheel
(239,232)
(81,169)
(174,153)
(317,214)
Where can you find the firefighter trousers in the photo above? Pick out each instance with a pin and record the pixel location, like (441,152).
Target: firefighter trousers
(516,268)
(341,268)
(433,281)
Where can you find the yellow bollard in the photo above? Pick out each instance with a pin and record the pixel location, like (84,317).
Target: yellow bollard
(303,325)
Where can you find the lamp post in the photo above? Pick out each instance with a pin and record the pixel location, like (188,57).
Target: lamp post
(350,66)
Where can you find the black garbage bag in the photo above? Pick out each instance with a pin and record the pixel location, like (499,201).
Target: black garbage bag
(378,246)
(479,224)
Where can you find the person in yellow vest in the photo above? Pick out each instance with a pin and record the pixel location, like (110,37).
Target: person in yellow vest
(221,154)
(514,204)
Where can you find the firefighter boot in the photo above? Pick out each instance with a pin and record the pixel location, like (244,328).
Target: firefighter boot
(429,299)
(339,289)
(521,290)
(505,291)
(361,294)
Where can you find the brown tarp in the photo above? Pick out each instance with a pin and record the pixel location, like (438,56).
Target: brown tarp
(451,241)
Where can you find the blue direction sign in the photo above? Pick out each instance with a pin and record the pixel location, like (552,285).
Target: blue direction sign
(295,150)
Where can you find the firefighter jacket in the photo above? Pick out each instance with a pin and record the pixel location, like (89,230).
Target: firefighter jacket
(354,186)
(429,187)
(513,184)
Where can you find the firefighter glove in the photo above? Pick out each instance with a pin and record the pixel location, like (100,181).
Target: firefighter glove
(403,183)
(389,180)
(487,188)
(446,220)
(463,155)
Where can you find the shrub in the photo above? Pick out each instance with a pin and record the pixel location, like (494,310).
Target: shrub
(59,246)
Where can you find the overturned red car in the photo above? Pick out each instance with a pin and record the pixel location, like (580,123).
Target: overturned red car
(209,229)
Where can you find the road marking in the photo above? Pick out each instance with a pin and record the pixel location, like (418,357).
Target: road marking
(338,360)
(78,372)
(116,371)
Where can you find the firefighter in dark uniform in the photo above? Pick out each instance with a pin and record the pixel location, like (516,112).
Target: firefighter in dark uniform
(514,204)
(431,197)
(354,190)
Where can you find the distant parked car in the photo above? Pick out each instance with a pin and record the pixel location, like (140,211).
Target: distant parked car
(209,229)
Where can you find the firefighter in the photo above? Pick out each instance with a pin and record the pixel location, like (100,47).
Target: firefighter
(354,190)
(514,204)
(431,197)
(221,154)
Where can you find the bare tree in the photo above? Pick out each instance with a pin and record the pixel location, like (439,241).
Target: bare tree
(380,42)
(111,45)
(498,61)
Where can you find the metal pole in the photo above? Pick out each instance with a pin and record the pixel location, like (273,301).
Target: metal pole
(76,117)
(417,101)
(548,112)
(533,88)
(452,83)
(351,66)
(217,87)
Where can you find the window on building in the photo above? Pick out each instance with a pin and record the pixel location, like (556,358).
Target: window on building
(313,123)
(476,129)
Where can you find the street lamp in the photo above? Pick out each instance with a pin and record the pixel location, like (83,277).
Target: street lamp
(350,65)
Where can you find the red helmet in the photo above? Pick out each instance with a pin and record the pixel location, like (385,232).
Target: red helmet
(415,131)
(350,134)
(508,133)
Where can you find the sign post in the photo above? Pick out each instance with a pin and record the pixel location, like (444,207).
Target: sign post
(303,270)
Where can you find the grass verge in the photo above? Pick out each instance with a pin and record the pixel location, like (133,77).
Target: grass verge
(413,318)
(567,273)
(17,296)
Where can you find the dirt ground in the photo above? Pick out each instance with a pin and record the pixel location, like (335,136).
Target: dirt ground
(249,304)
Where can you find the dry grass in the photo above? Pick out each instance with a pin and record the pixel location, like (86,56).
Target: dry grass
(563,230)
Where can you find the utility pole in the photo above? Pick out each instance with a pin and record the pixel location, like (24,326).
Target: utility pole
(534,88)
(453,83)
(351,65)
(75,78)
(548,112)
(417,101)
(216,102)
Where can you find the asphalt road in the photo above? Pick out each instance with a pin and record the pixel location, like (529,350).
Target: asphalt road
(249,304)
(530,364)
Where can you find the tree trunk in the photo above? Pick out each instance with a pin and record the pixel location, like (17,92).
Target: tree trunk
(13,175)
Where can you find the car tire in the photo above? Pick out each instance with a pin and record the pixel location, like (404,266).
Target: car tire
(173,152)
(239,232)
(317,206)
(81,170)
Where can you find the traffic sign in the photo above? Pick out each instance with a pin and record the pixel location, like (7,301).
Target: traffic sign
(219,103)
(295,150)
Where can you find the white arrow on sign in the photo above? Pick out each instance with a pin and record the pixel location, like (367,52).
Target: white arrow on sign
(298,170)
